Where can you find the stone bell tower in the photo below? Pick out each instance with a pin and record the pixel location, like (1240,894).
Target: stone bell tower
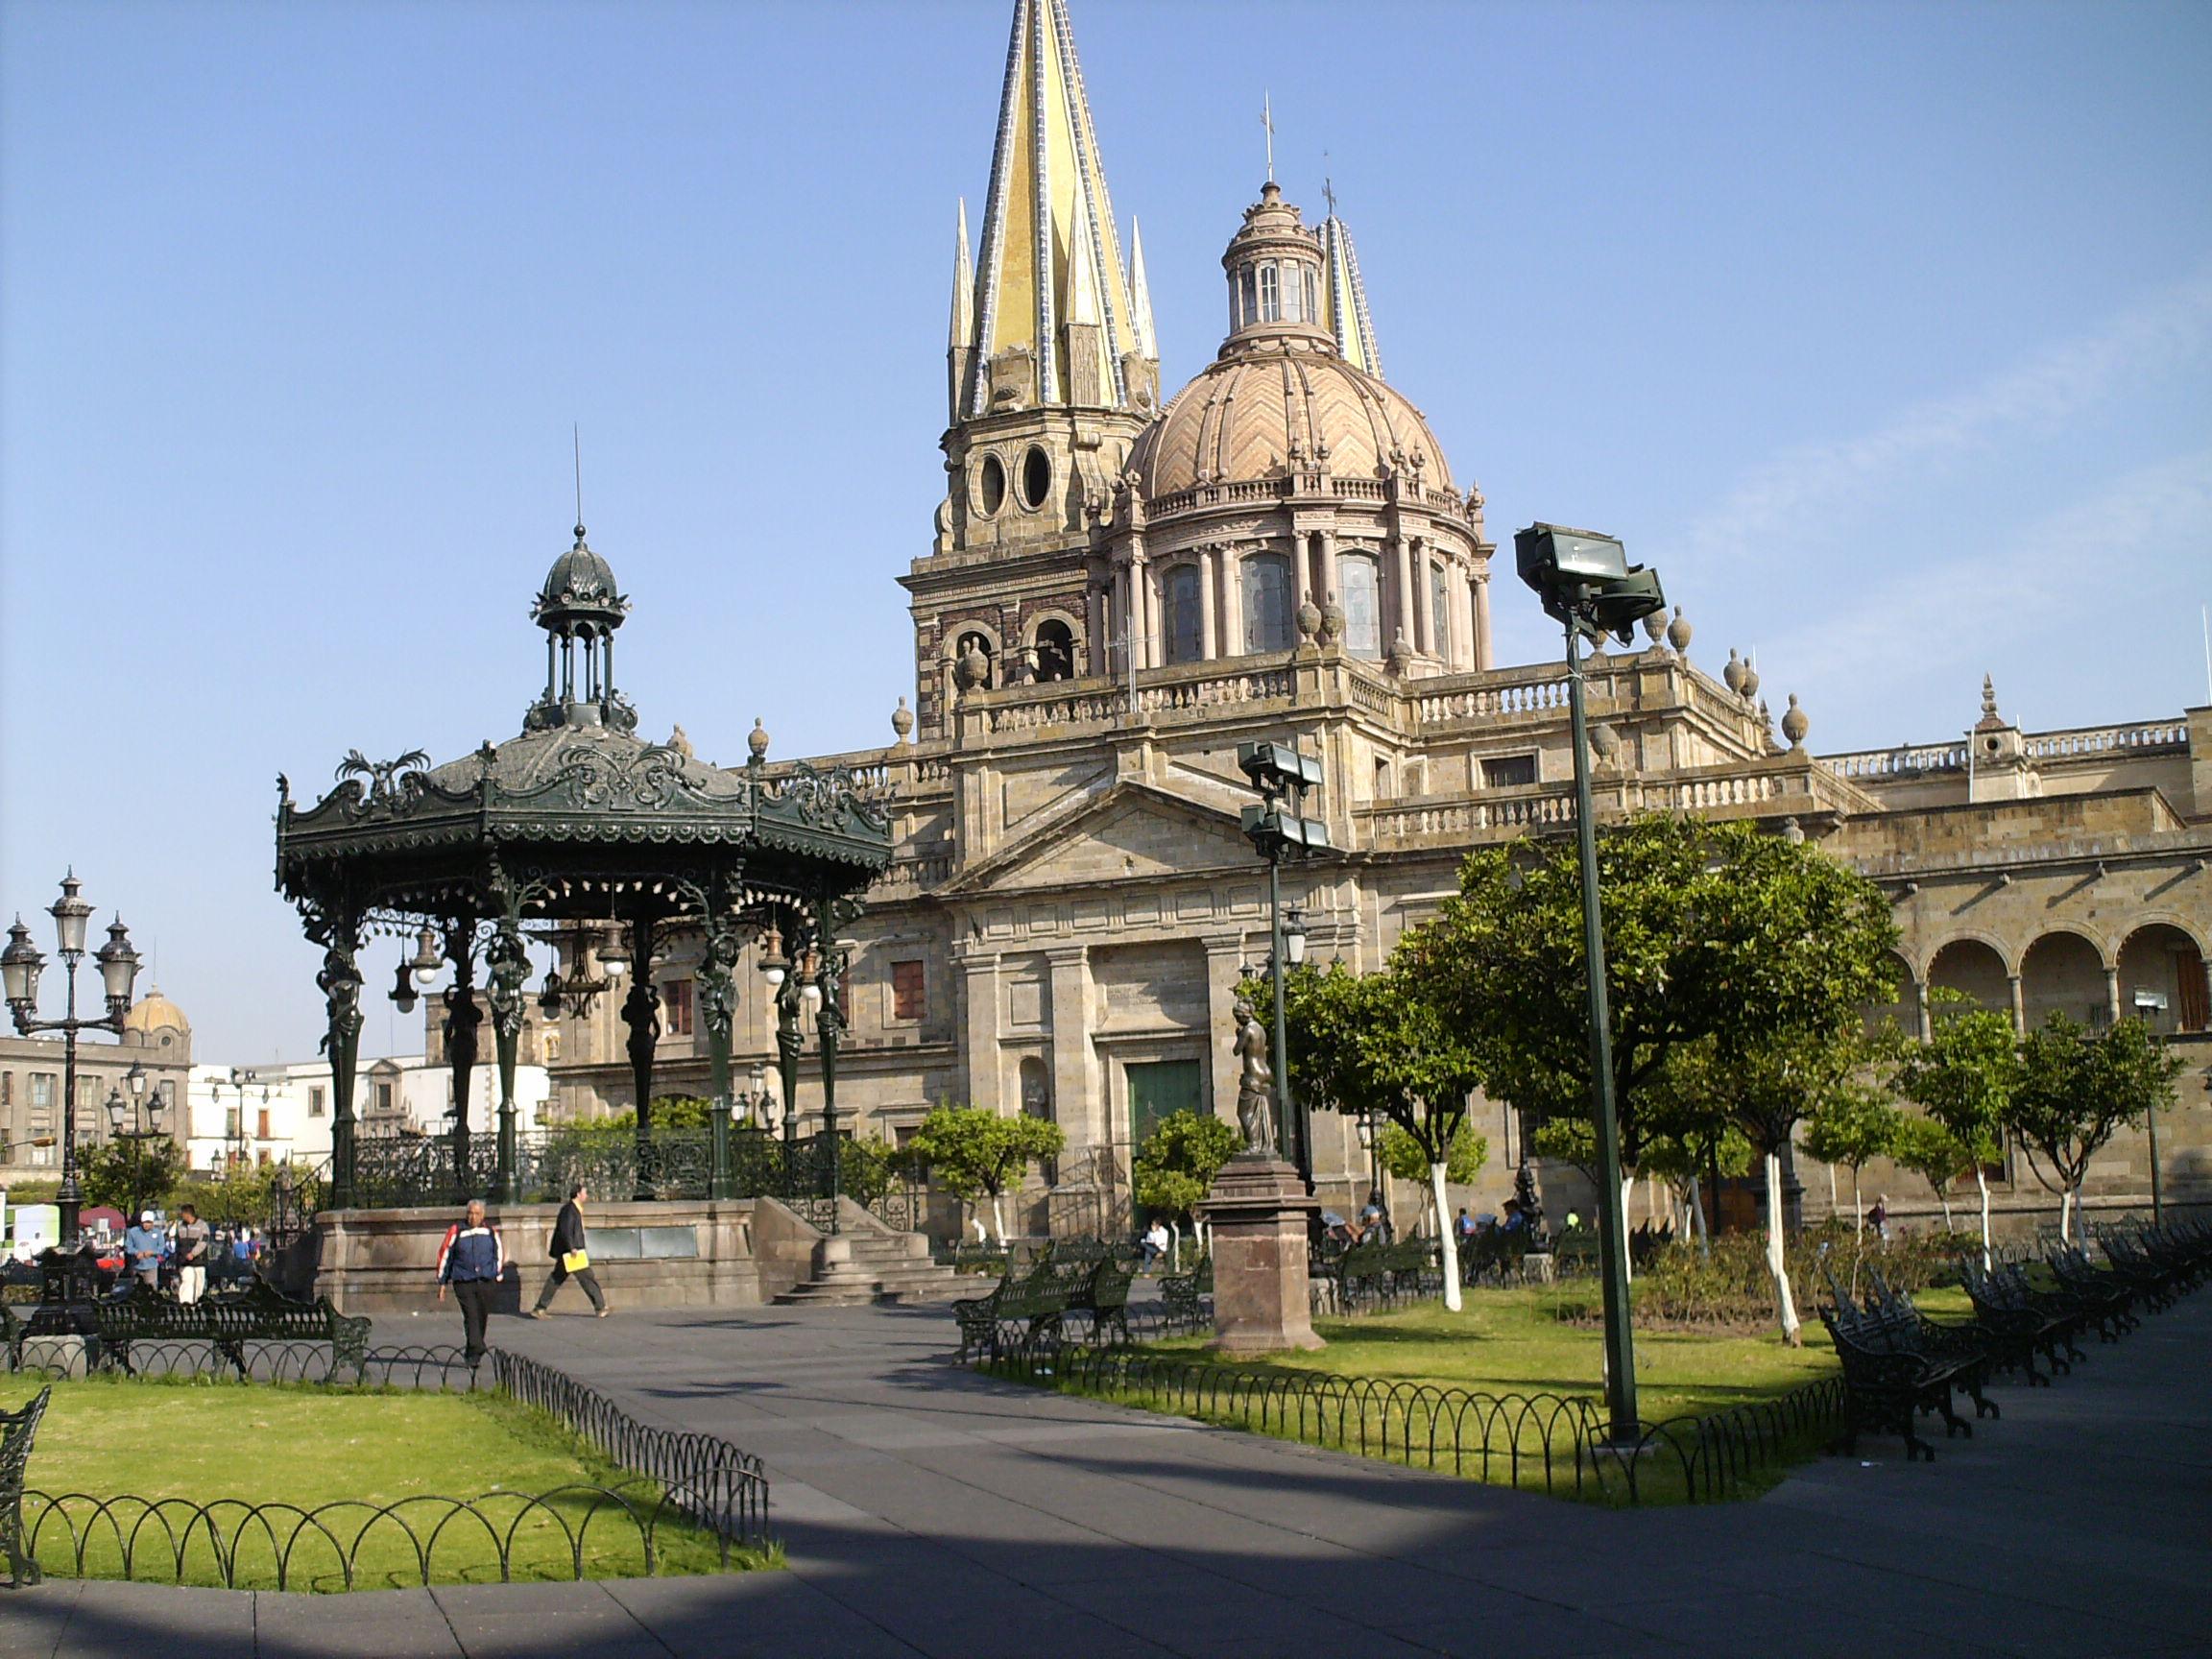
(1053,370)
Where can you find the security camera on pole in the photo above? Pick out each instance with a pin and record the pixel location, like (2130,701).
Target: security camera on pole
(1589,587)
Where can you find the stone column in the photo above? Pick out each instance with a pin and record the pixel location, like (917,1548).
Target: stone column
(1466,608)
(1332,578)
(1481,657)
(1232,603)
(1401,618)
(1922,1029)
(1207,621)
(1095,610)
(1301,576)
(2019,1004)
(1141,612)
(2112,995)
(1079,1106)
(979,979)
(1423,633)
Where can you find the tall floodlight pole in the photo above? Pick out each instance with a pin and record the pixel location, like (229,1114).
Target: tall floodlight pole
(1588,586)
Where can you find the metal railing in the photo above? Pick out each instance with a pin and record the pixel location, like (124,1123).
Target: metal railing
(1553,1443)
(411,1172)
(695,1493)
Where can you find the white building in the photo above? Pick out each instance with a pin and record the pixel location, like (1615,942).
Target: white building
(269,1113)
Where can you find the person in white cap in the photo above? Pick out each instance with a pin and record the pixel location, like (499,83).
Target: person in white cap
(142,1248)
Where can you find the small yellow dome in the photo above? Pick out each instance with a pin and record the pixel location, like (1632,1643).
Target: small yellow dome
(155,1011)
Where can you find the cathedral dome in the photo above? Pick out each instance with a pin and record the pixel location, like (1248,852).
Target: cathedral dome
(1284,393)
(1255,414)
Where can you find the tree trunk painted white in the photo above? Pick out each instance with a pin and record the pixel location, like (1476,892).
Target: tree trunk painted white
(1858,1208)
(998,1218)
(1627,1256)
(1447,1247)
(1785,1305)
(1698,1223)
(1175,1245)
(1981,1181)
(1943,1197)
(1831,1188)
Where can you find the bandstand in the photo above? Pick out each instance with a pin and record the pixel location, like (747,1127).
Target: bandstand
(579,834)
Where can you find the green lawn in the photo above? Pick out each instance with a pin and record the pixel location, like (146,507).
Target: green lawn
(1451,1391)
(306,1447)
(1513,1341)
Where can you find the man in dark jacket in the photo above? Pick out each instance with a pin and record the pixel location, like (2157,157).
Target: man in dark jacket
(472,1260)
(570,1260)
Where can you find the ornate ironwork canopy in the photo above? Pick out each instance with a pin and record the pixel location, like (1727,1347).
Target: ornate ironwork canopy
(575,821)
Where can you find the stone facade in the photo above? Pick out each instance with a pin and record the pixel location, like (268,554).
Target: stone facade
(1118,595)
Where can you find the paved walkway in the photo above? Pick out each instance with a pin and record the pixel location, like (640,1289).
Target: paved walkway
(928,1512)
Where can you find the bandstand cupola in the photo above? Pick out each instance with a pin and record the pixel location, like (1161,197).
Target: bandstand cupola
(579,607)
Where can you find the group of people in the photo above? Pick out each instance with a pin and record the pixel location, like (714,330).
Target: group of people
(472,1260)
(180,1253)
(1516,1220)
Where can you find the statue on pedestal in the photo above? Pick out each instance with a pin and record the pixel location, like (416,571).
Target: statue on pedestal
(1255,1084)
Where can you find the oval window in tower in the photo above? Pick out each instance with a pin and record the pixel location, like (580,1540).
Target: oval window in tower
(1036,477)
(991,485)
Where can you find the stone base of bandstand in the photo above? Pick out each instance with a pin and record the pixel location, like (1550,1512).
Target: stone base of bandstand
(674,1253)
(1261,1217)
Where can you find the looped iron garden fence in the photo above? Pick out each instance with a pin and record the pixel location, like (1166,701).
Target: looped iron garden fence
(690,1501)
(1554,1443)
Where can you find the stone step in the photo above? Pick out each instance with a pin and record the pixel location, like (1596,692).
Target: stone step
(860,1268)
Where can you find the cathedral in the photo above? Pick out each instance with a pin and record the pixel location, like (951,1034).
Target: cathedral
(1126,582)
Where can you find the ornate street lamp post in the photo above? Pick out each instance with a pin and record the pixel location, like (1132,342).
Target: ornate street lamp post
(145,1122)
(1278,828)
(20,964)
(1589,587)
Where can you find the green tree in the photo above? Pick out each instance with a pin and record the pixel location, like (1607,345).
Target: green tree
(1935,1154)
(976,1153)
(867,1166)
(1713,932)
(2076,1091)
(1175,1167)
(1963,1075)
(132,1175)
(1376,1044)
(1852,1127)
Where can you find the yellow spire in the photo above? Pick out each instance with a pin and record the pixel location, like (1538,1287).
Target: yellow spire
(963,288)
(1141,296)
(1048,236)
(1344,296)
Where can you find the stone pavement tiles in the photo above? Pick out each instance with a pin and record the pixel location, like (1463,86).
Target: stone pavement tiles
(928,1511)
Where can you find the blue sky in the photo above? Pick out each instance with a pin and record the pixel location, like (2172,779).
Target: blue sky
(1883,329)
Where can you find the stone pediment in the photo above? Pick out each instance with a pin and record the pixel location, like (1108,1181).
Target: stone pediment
(1130,832)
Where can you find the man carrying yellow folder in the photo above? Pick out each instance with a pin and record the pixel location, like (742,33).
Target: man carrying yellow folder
(570,1259)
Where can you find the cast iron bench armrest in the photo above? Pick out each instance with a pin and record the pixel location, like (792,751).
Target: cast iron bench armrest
(18,1433)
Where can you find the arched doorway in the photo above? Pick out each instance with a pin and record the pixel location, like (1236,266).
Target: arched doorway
(2162,979)
(2062,974)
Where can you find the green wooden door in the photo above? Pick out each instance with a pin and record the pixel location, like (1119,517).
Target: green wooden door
(1157,1088)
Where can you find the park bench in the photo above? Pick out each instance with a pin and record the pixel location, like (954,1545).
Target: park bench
(1104,1293)
(2022,1319)
(1036,1297)
(2109,1298)
(259,1314)
(1378,1269)
(1898,1364)
(1493,1252)
(13,1329)
(19,1431)
(1577,1251)
(1183,1293)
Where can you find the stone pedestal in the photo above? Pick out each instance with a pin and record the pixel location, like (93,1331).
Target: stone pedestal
(1259,1213)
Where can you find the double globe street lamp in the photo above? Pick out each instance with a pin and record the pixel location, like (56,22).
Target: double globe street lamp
(20,964)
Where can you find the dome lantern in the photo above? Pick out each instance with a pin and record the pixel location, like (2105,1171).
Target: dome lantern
(1275,279)
(579,605)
